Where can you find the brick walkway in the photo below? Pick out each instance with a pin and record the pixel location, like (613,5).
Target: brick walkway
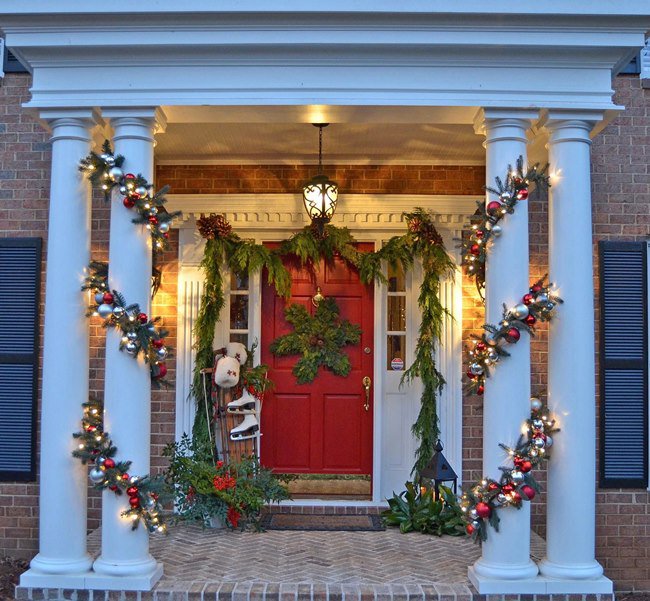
(220,565)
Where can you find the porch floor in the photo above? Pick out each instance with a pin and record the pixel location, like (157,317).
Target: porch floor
(221,565)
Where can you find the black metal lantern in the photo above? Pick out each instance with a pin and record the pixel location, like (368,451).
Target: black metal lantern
(439,471)
(320,193)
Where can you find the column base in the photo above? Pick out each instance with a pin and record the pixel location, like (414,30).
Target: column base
(579,571)
(140,581)
(34,578)
(489,579)
(540,585)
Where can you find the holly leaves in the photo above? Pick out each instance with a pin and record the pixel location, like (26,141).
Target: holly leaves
(318,339)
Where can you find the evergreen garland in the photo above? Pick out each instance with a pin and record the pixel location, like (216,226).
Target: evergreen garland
(318,339)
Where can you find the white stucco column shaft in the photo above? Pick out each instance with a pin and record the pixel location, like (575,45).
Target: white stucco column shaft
(127,402)
(63,479)
(571,521)
(506,402)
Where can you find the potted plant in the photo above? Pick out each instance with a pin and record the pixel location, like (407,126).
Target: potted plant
(212,493)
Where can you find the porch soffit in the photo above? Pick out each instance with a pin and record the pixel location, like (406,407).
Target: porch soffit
(374,55)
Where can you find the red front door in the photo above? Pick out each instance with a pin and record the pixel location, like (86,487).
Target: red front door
(321,427)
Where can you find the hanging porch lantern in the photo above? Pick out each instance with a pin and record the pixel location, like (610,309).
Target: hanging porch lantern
(320,193)
(439,471)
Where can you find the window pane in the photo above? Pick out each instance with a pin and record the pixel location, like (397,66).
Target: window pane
(396,321)
(396,280)
(396,349)
(239,312)
(238,282)
(243,338)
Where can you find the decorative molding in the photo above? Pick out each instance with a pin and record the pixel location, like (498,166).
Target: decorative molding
(258,212)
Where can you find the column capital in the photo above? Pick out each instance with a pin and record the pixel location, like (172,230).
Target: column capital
(134,121)
(69,124)
(566,125)
(503,116)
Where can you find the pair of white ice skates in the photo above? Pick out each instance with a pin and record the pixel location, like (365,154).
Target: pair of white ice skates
(245,405)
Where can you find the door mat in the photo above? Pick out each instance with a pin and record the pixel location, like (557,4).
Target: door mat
(344,523)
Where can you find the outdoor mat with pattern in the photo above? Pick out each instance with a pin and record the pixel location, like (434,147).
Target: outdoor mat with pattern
(345,523)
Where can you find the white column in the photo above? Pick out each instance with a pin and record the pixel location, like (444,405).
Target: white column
(63,479)
(505,560)
(125,560)
(571,522)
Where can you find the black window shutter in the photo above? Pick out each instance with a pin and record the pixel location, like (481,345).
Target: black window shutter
(623,364)
(20,285)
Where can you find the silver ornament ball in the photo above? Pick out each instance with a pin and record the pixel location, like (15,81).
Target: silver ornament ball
(96,475)
(502,499)
(141,191)
(496,230)
(100,461)
(163,227)
(493,355)
(99,297)
(153,211)
(476,524)
(119,312)
(535,404)
(490,339)
(131,348)
(132,336)
(123,190)
(539,443)
(538,424)
(115,174)
(533,452)
(541,298)
(505,196)
(550,306)
(516,476)
(473,513)
(161,353)
(105,310)
(549,441)
(520,311)
(476,369)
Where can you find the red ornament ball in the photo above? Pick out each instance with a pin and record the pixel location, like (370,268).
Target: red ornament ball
(134,502)
(479,234)
(517,181)
(113,488)
(132,491)
(159,343)
(480,390)
(513,335)
(109,463)
(536,288)
(493,207)
(470,375)
(142,318)
(483,510)
(529,491)
(153,220)
(530,319)
(507,488)
(128,202)
(108,298)
(516,497)
(125,476)
(469,529)
(162,371)
(522,194)
(475,249)
(166,235)
(528,299)
(481,346)
(493,486)
(129,176)
(526,466)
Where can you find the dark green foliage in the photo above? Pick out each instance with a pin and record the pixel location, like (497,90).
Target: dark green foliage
(310,248)
(194,476)
(415,510)
(318,339)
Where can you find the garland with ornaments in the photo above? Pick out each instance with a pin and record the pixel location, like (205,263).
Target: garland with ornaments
(96,448)
(517,484)
(105,169)
(485,224)
(140,334)
(311,245)
(538,304)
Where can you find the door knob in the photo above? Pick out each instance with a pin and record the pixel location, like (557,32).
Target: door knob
(366,385)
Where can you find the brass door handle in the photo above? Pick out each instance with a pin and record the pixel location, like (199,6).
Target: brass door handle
(366,385)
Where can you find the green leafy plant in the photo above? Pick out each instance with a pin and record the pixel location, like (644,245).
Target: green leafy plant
(233,493)
(417,510)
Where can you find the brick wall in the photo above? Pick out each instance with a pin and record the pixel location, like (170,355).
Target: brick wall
(621,211)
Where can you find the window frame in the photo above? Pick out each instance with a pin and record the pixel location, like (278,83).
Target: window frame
(21,359)
(603,481)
